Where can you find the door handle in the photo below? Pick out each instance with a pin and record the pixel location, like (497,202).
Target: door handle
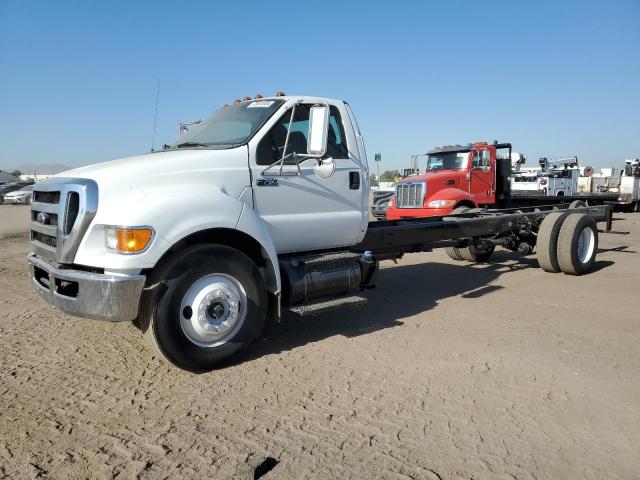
(449,182)
(354,180)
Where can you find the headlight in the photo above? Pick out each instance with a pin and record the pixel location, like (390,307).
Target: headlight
(127,240)
(442,203)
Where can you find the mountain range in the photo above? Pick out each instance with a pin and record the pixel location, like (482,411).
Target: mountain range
(44,169)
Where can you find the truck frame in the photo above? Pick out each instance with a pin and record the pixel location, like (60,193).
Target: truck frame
(200,266)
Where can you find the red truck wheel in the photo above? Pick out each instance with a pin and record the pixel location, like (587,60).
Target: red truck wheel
(476,254)
(454,253)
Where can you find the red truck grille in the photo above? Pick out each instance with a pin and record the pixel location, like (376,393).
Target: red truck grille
(410,195)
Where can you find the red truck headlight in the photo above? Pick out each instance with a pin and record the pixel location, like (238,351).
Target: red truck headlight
(441,203)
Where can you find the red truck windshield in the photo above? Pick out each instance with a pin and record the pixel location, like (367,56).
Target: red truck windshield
(447,161)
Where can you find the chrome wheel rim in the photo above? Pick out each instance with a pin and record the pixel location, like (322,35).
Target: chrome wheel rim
(213,310)
(586,243)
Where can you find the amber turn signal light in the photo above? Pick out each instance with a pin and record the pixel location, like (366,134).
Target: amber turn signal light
(127,240)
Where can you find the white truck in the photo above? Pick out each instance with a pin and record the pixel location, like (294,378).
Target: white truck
(261,207)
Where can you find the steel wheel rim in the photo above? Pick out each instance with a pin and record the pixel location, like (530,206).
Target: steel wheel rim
(586,244)
(213,310)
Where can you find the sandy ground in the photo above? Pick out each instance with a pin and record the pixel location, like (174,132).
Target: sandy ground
(451,371)
(13,219)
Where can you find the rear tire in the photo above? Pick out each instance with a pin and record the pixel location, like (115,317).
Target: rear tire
(577,244)
(547,243)
(210,303)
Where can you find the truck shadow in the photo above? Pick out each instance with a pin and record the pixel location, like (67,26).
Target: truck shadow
(403,291)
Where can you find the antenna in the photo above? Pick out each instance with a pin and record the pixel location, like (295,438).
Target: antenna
(155,117)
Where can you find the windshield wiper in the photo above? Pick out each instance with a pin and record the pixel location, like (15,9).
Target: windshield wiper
(191,144)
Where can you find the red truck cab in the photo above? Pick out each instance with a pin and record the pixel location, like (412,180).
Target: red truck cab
(456,175)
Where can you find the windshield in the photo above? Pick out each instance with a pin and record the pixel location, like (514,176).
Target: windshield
(229,126)
(447,161)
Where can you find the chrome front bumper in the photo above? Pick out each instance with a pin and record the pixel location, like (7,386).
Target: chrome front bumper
(85,294)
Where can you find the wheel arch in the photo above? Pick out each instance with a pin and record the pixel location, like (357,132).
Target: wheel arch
(464,203)
(237,239)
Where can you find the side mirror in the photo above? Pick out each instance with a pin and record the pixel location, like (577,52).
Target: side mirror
(324,168)
(318,131)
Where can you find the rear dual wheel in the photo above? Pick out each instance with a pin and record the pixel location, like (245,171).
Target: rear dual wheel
(567,242)
(577,244)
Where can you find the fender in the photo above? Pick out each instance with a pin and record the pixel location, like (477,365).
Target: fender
(454,194)
(253,225)
(173,222)
(173,215)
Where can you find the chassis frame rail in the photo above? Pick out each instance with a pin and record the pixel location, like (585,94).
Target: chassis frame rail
(419,234)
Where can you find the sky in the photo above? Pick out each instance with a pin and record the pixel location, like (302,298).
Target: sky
(554,78)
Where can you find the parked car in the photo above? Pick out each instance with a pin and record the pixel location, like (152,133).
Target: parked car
(11,187)
(19,197)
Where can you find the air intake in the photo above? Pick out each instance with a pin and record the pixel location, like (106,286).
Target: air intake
(71,211)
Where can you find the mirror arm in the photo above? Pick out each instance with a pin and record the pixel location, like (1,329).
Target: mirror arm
(286,144)
(286,140)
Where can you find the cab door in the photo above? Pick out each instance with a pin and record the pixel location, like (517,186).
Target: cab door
(482,177)
(303,211)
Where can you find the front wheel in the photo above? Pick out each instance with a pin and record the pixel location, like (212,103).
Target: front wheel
(208,306)
(477,253)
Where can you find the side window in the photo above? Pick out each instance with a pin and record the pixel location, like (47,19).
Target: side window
(486,158)
(481,158)
(271,147)
(477,159)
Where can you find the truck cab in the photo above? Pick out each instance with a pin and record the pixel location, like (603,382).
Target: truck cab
(455,176)
(259,180)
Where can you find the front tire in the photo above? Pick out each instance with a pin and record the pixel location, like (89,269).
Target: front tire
(455,252)
(209,304)
(475,254)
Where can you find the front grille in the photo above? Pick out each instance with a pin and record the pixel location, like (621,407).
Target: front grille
(46,197)
(61,212)
(46,219)
(44,238)
(410,195)
(71,212)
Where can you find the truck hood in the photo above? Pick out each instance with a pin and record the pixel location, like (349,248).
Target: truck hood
(175,172)
(434,179)
(149,165)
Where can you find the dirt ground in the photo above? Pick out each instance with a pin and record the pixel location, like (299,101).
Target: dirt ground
(451,371)
(13,219)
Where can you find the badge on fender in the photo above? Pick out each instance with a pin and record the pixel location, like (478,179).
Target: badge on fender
(267,182)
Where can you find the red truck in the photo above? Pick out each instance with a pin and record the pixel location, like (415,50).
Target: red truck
(469,176)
